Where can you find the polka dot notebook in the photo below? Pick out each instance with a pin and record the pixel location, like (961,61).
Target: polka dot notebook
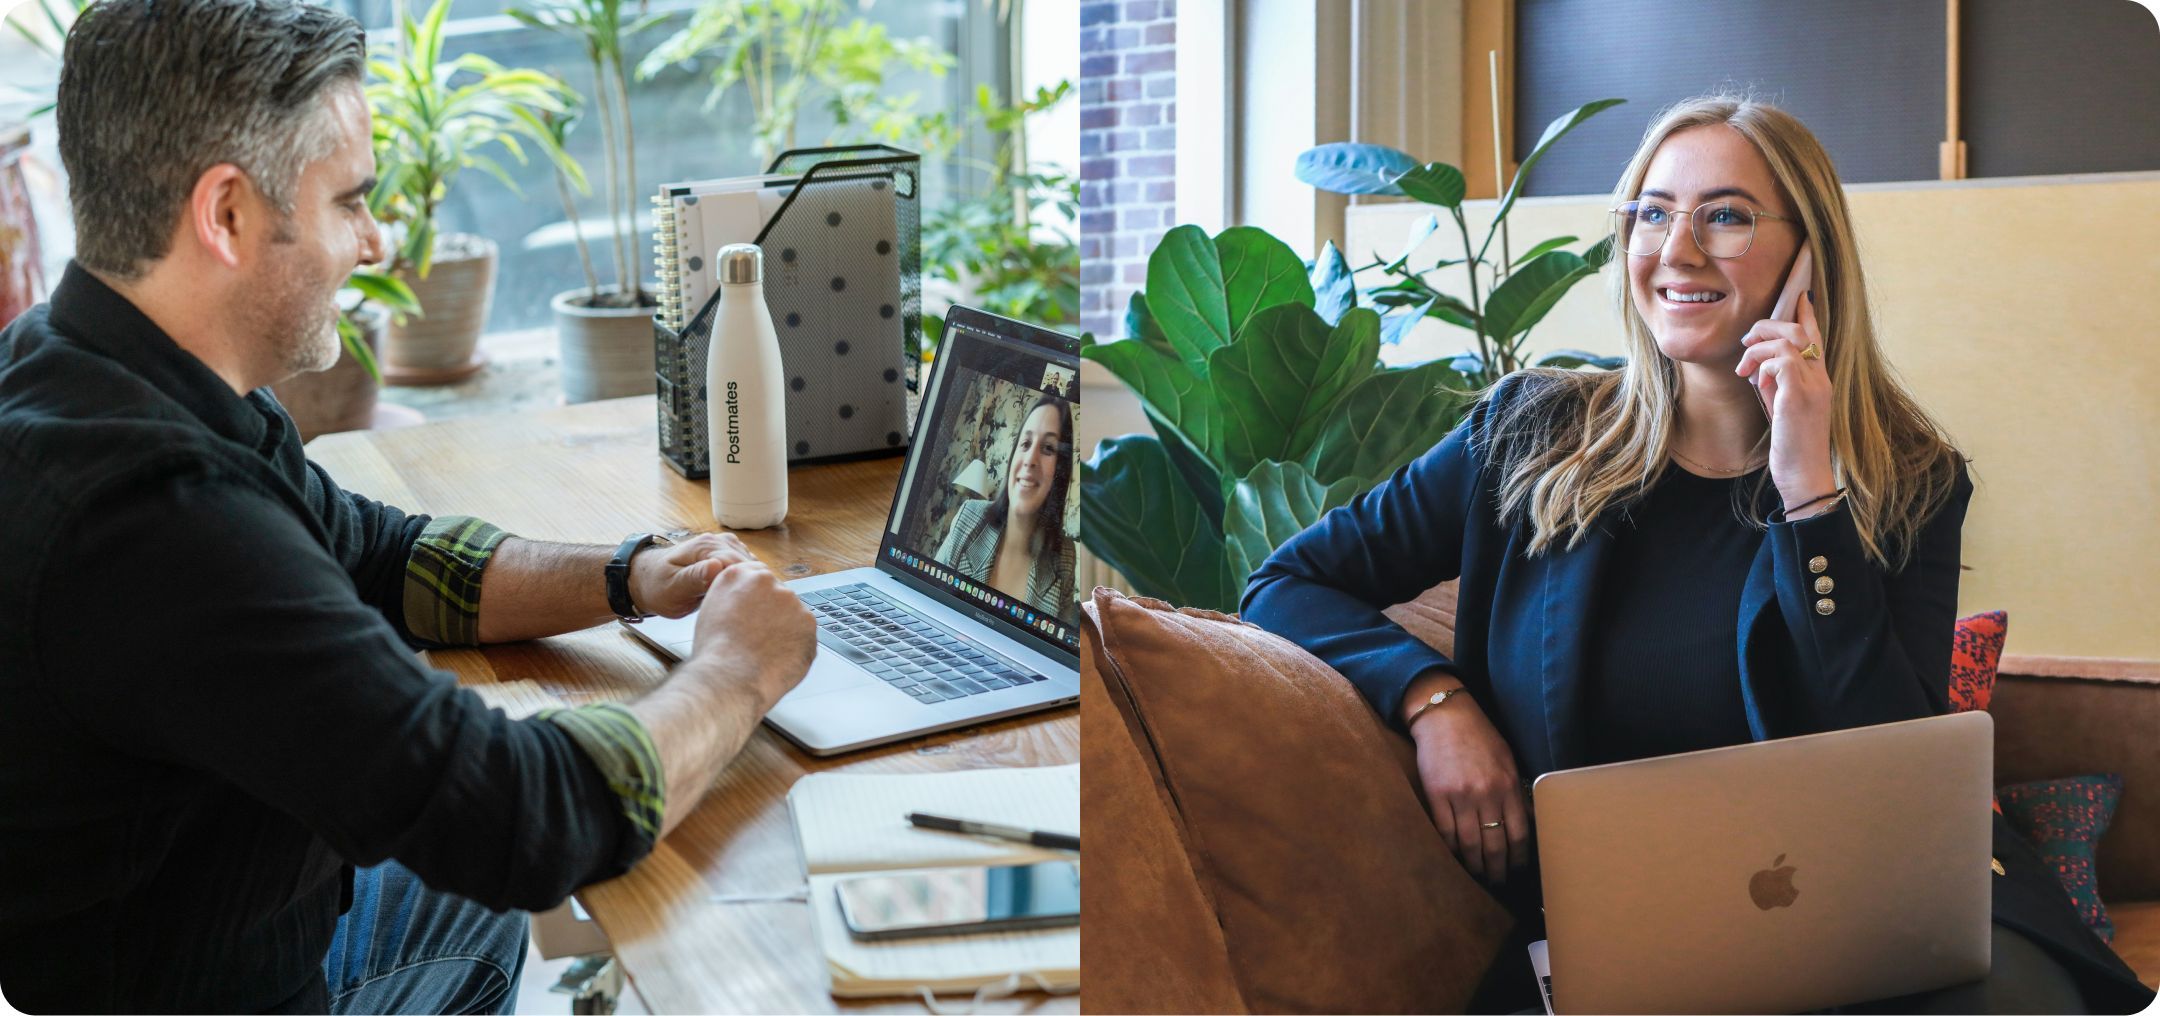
(843,279)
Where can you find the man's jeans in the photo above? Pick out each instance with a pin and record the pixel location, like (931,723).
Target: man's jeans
(405,948)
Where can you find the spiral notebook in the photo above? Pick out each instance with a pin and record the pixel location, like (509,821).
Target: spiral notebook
(694,219)
(840,231)
(851,823)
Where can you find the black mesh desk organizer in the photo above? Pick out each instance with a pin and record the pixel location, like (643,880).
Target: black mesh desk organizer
(843,279)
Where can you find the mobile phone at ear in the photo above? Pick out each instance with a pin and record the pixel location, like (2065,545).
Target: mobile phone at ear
(952,901)
(1787,308)
(1797,284)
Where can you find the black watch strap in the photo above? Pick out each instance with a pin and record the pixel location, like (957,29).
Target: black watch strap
(618,575)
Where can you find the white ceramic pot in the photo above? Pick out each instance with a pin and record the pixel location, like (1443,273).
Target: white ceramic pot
(607,352)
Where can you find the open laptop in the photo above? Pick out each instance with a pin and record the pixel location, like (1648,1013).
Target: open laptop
(914,644)
(1779,876)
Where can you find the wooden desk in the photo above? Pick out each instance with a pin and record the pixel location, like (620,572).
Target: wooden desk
(592,474)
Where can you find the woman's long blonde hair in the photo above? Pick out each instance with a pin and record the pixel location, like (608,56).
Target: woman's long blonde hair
(1579,442)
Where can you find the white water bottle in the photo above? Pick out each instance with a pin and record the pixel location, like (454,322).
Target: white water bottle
(746,398)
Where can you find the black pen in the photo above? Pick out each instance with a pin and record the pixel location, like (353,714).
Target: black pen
(1036,837)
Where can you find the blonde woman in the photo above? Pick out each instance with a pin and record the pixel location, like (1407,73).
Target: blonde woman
(1667,557)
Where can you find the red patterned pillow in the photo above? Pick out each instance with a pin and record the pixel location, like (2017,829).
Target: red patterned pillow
(1975,652)
(2065,819)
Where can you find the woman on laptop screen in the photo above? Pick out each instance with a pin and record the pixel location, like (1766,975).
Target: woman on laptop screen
(1015,542)
(1749,530)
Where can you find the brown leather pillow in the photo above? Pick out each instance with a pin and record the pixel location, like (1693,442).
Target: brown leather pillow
(1139,878)
(1297,812)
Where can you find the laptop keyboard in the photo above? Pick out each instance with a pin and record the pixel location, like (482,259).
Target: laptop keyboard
(905,650)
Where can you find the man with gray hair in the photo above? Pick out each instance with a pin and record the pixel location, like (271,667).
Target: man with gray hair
(207,692)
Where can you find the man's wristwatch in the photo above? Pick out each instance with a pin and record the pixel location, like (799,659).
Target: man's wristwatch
(618,575)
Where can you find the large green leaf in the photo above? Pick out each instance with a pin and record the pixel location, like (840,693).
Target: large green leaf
(1276,386)
(1209,485)
(1420,231)
(1435,183)
(1524,297)
(1346,168)
(1334,291)
(1396,327)
(1258,272)
(1185,295)
(1164,383)
(1554,131)
(1387,420)
(1552,244)
(1141,325)
(1274,502)
(1140,518)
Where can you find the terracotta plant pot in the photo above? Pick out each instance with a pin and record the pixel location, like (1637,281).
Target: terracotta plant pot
(442,347)
(22,281)
(341,398)
(607,352)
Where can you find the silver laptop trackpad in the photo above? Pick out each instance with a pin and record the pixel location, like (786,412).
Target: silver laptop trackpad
(829,672)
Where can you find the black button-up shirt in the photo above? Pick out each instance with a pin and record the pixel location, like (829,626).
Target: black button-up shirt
(209,703)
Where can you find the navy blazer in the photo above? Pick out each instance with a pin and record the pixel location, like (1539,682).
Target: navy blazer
(1874,648)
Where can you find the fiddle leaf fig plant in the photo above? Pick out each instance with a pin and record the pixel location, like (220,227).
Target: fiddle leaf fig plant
(1506,299)
(1260,376)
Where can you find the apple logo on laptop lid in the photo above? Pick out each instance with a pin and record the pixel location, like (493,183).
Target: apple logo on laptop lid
(1772,887)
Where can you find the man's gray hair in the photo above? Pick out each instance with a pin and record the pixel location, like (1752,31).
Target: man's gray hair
(153,93)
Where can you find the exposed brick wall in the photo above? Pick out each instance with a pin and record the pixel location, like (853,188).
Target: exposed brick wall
(1128,145)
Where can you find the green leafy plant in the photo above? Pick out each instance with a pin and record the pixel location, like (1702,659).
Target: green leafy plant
(434,119)
(992,241)
(1508,299)
(1269,407)
(787,53)
(396,299)
(47,33)
(597,25)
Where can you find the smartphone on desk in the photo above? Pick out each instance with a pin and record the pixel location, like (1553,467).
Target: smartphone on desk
(951,901)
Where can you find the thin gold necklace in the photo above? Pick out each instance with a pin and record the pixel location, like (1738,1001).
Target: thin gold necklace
(1711,469)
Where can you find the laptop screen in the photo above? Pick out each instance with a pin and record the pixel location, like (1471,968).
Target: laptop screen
(988,510)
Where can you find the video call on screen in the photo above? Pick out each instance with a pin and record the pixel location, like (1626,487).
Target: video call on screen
(997,463)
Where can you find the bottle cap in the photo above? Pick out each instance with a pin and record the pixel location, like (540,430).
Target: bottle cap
(741,263)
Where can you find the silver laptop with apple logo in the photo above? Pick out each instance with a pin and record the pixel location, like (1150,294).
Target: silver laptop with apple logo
(946,628)
(1778,876)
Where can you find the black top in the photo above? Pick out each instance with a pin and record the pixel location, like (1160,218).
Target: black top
(209,699)
(1662,676)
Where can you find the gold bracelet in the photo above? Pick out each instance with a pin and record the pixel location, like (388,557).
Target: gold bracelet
(1835,497)
(1437,698)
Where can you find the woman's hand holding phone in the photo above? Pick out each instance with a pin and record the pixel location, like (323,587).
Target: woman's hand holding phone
(1794,389)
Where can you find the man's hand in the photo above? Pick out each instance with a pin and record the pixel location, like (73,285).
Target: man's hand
(757,626)
(671,581)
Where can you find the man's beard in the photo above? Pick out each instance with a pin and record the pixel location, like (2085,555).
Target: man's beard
(295,317)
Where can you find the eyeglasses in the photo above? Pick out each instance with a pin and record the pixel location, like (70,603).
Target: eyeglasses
(1722,229)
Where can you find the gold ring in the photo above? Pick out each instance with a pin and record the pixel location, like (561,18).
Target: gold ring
(1489,825)
(1812,352)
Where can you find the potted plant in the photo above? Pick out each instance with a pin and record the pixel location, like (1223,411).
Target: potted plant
(989,246)
(606,332)
(1259,373)
(787,53)
(433,118)
(343,397)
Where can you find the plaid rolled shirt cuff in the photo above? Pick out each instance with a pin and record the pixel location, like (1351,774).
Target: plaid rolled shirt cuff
(623,751)
(442,579)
